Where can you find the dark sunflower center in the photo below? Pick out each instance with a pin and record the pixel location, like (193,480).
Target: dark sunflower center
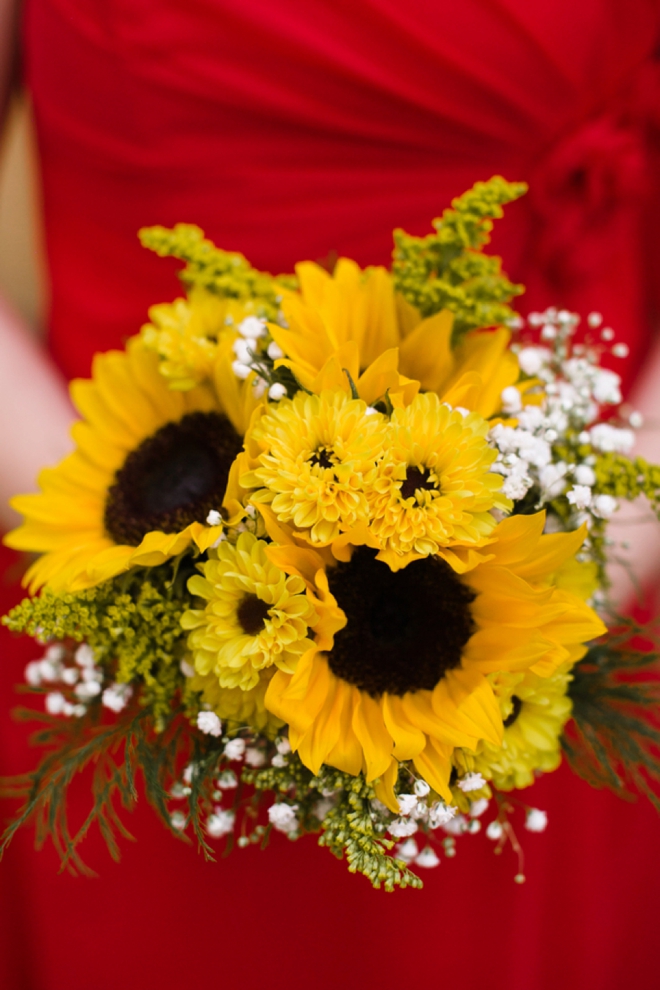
(515,711)
(405,630)
(252,613)
(174,478)
(322,458)
(416,479)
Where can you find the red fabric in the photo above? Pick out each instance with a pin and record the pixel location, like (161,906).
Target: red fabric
(288,130)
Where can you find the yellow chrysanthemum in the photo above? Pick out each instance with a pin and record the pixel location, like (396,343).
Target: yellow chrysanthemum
(433,488)
(150,464)
(318,455)
(535,710)
(186,334)
(255,615)
(406,677)
(355,320)
(237,708)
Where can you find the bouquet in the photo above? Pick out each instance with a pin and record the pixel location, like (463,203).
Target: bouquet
(327,558)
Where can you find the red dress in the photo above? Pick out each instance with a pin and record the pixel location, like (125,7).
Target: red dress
(288,130)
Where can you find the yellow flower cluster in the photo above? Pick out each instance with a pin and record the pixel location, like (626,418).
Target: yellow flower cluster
(358,581)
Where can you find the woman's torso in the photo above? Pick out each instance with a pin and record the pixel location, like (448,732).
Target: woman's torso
(290,130)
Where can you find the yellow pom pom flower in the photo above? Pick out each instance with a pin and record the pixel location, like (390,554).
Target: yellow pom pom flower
(150,463)
(186,334)
(319,454)
(406,677)
(255,615)
(535,710)
(434,487)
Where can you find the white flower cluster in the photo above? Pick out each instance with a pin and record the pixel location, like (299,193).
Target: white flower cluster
(249,348)
(80,676)
(577,392)
(283,818)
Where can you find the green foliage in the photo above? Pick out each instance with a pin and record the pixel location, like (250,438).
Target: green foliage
(624,478)
(350,828)
(118,752)
(614,738)
(131,622)
(448,270)
(226,273)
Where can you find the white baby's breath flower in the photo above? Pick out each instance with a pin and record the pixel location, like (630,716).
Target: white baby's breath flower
(283,817)
(235,749)
(259,386)
(579,496)
(536,820)
(277,391)
(406,803)
(477,808)
(407,851)
(220,823)
(116,697)
(275,352)
(421,788)
(511,401)
(604,506)
(214,518)
(227,780)
(456,826)
(441,813)
(471,782)
(55,703)
(532,359)
(178,820)
(240,369)
(243,351)
(254,757)
(611,439)
(427,859)
(87,690)
(400,828)
(553,479)
(84,656)
(209,724)
(585,475)
(279,761)
(606,386)
(252,327)
(32,673)
(494,831)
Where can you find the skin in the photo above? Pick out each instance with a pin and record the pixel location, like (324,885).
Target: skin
(32,392)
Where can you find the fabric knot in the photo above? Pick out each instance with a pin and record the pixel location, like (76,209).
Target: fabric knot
(589,188)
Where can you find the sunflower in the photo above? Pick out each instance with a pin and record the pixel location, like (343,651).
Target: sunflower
(150,464)
(318,454)
(255,616)
(358,317)
(434,488)
(186,334)
(406,676)
(535,710)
